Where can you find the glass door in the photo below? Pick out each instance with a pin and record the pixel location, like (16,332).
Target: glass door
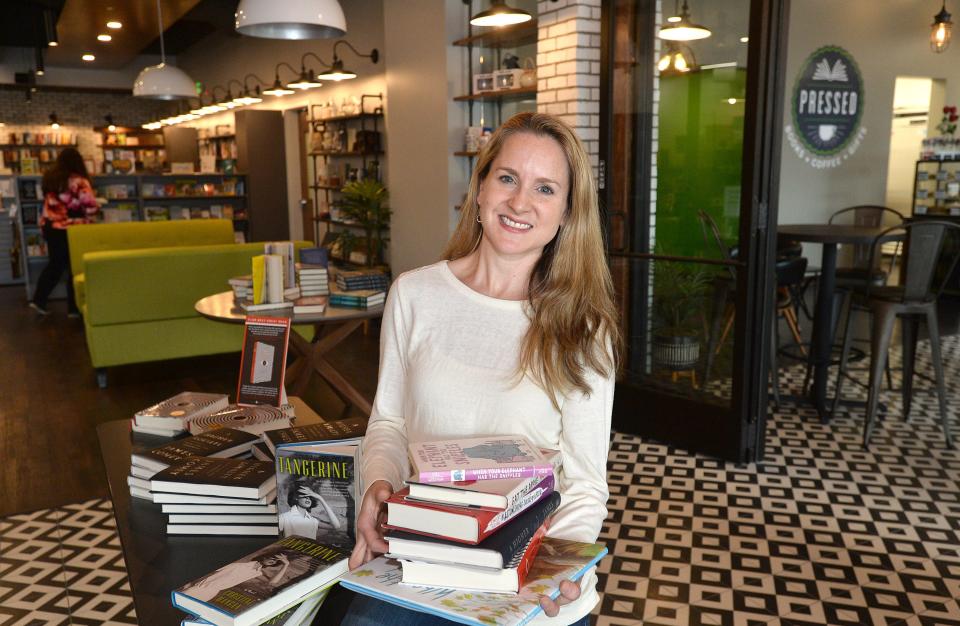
(689,146)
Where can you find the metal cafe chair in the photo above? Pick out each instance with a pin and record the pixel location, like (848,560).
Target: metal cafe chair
(931,254)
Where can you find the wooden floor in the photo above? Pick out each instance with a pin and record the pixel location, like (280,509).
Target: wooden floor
(50,404)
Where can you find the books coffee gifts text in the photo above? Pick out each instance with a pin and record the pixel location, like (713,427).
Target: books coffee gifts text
(175,413)
(221,443)
(317,491)
(253,589)
(479,458)
(556,560)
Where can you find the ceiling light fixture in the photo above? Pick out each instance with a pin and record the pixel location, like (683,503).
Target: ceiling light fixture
(299,19)
(39,55)
(277,88)
(115,25)
(336,72)
(50,27)
(683,29)
(162,81)
(88,57)
(104,37)
(249,96)
(678,59)
(108,118)
(500,14)
(54,122)
(941,29)
(744,39)
(306,80)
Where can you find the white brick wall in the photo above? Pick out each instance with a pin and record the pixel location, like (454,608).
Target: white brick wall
(568,67)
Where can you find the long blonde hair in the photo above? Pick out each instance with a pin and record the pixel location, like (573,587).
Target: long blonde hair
(573,319)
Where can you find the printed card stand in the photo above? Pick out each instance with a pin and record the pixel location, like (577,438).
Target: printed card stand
(263,361)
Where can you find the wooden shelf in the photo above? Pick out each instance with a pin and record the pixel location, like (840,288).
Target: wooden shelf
(11,146)
(345,118)
(136,147)
(465,153)
(216,137)
(326,187)
(178,198)
(504,37)
(344,154)
(503,94)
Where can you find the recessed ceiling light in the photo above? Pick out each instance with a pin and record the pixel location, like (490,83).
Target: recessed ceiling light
(52,44)
(114,25)
(744,39)
(88,57)
(104,37)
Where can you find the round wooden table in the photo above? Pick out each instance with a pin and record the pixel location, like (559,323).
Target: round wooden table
(830,236)
(330,328)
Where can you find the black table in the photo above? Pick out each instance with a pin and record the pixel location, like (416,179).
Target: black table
(157,563)
(830,236)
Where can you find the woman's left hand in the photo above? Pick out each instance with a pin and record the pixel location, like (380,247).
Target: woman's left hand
(569,591)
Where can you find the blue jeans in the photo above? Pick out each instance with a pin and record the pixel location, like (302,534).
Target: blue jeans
(367,611)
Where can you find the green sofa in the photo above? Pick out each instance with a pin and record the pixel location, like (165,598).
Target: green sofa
(136,284)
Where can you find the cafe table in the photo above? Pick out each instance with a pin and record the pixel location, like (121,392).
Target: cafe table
(830,236)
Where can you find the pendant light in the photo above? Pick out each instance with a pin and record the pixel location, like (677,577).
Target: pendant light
(162,81)
(678,59)
(247,95)
(500,14)
(683,29)
(278,88)
(290,19)
(941,30)
(336,71)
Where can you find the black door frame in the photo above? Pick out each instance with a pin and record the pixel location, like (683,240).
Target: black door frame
(735,431)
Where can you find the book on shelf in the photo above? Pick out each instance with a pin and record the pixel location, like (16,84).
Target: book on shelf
(495,551)
(309,304)
(317,491)
(466,524)
(508,579)
(339,431)
(255,419)
(557,560)
(477,458)
(500,493)
(232,478)
(221,442)
(263,584)
(175,412)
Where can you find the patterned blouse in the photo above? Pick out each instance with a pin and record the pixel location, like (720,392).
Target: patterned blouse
(77,204)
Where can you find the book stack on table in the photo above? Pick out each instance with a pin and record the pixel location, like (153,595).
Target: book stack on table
(356,280)
(313,280)
(242,287)
(359,299)
(172,416)
(467,536)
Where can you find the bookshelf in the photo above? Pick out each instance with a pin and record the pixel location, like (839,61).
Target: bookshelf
(11,265)
(131,150)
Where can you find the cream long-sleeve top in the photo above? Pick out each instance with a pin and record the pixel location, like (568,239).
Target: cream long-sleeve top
(448,357)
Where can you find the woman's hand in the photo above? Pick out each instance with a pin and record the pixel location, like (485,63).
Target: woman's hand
(369,530)
(569,591)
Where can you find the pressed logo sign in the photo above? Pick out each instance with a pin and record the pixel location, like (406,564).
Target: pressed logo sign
(826,108)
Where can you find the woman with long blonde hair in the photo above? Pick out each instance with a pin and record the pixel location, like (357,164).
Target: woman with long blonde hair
(514,332)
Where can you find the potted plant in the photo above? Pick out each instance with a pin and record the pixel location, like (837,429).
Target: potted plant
(679,292)
(362,202)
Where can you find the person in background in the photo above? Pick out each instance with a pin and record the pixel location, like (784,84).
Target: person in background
(514,332)
(68,200)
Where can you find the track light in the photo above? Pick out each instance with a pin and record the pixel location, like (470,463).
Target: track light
(50,27)
(38,52)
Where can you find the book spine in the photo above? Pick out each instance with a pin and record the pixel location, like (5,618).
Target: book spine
(548,483)
(485,473)
(529,556)
(508,514)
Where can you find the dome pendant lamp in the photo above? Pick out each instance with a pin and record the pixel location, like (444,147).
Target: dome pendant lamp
(499,14)
(162,81)
(290,19)
(683,29)
(941,27)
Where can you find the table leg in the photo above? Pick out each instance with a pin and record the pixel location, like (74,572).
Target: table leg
(822,340)
(311,354)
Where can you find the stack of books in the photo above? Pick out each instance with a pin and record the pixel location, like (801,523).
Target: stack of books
(172,416)
(220,443)
(218,496)
(362,299)
(363,280)
(467,536)
(313,280)
(282,583)
(242,287)
(252,419)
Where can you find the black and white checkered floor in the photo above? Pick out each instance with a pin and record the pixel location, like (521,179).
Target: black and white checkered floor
(821,533)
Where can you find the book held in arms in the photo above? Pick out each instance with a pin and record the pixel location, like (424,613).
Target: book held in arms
(477,458)
(317,491)
(176,412)
(556,560)
(264,584)
(362,299)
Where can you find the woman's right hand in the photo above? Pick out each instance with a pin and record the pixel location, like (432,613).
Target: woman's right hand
(369,530)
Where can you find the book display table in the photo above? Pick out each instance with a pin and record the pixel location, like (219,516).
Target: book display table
(330,328)
(158,563)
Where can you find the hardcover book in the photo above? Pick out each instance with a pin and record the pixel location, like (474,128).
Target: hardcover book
(557,560)
(508,579)
(193,498)
(221,443)
(174,413)
(300,615)
(495,551)
(263,584)
(342,431)
(456,523)
(232,478)
(250,419)
(217,530)
(478,458)
(317,491)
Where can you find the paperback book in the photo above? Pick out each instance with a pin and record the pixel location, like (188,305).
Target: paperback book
(300,615)
(365,298)
(220,443)
(266,583)
(232,478)
(255,420)
(174,413)
(317,491)
(556,560)
(478,458)
(338,431)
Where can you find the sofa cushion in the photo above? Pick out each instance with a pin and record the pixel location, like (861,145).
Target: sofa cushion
(132,235)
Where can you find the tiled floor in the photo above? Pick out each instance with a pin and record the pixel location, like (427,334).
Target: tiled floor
(822,533)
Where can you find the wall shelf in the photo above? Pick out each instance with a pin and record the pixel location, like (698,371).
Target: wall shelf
(506,37)
(501,95)
(344,154)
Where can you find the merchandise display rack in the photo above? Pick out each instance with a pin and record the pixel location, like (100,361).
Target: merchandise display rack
(11,270)
(936,188)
